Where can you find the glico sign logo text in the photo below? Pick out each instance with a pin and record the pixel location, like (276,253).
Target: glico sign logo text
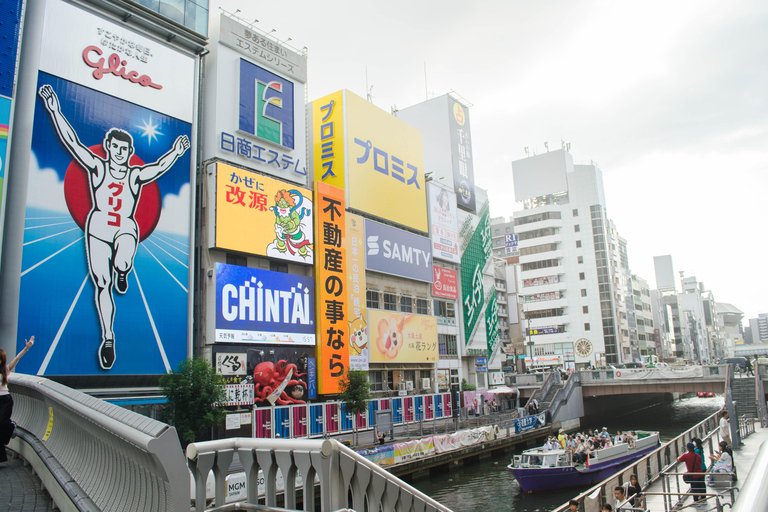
(266,105)
(115,66)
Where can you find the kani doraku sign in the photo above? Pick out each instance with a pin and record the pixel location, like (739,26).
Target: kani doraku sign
(398,252)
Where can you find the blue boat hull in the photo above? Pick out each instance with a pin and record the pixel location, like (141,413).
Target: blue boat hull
(548,479)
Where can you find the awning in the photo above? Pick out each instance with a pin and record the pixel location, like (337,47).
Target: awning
(502,389)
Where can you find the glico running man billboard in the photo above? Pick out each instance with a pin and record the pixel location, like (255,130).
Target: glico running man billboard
(105,264)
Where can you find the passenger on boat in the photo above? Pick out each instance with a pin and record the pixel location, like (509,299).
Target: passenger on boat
(561,439)
(619,438)
(604,434)
(579,454)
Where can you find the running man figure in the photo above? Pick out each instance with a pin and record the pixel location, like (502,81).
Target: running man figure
(112,234)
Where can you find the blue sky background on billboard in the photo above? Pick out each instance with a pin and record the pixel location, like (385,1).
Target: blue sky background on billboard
(57,295)
(667,98)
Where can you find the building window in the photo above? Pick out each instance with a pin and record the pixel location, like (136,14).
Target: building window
(422,307)
(576,228)
(578,244)
(580,259)
(585,309)
(446,344)
(236,259)
(575,212)
(410,376)
(583,292)
(406,304)
(443,309)
(586,326)
(390,302)
(278,266)
(377,381)
(582,276)
(372,299)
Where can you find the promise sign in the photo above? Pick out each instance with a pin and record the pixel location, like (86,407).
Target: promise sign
(332,298)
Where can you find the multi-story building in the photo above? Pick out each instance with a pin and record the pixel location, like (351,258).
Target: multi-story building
(569,260)
(729,320)
(759,328)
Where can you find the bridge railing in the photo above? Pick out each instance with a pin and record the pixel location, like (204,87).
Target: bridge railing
(650,468)
(343,477)
(563,394)
(92,455)
(633,376)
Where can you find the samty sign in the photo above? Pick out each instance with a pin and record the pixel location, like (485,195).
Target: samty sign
(394,251)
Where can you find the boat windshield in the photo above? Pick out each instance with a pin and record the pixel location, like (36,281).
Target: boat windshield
(546,459)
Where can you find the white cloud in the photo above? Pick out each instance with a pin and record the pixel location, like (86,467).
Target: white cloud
(47,191)
(174,217)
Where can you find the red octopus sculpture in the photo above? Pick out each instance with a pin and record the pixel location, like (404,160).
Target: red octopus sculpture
(267,377)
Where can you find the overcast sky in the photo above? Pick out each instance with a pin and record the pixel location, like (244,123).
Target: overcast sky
(668,98)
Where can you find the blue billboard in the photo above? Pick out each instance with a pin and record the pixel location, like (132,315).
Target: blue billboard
(397,252)
(105,264)
(259,306)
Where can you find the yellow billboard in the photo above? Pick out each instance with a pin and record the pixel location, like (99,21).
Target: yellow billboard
(260,215)
(385,165)
(402,337)
(328,139)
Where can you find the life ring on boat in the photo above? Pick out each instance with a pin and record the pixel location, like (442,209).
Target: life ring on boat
(618,374)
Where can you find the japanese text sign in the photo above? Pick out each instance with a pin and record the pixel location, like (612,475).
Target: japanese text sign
(239,394)
(402,337)
(395,251)
(358,329)
(254,305)
(332,298)
(328,139)
(443,223)
(461,155)
(445,283)
(385,167)
(492,323)
(260,215)
(228,363)
(472,264)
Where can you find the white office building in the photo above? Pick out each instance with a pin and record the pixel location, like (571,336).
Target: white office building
(569,259)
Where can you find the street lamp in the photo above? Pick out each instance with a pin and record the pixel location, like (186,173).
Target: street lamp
(521,301)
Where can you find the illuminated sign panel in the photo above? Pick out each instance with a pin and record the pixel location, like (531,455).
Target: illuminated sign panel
(461,155)
(473,262)
(328,139)
(397,252)
(443,223)
(358,328)
(402,337)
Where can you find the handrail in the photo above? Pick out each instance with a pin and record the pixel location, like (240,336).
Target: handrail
(562,394)
(754,491)
(762,409)
(649,468)
(109,458)
(544,389)
(342,474)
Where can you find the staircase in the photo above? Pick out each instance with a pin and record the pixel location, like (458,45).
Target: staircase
(545,402)
(744,395)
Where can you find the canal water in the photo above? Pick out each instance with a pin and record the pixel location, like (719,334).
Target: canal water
(487,486)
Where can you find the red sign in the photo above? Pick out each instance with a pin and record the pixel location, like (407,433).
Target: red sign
(113,65)
(445,283)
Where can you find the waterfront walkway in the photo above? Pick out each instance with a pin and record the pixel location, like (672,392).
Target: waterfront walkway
(743,458)
(20,489)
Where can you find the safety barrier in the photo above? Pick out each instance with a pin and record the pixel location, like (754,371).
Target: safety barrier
(92,455)
(344,478)
(315,420)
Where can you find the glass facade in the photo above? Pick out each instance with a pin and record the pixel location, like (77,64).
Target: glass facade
(193,14)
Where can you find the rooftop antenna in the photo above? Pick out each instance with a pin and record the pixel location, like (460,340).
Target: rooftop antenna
(527,153)
(568,146)
(562,143)
(426,90)
(368,95)
(546,146)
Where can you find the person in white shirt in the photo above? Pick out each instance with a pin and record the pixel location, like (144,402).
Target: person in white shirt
(725,428)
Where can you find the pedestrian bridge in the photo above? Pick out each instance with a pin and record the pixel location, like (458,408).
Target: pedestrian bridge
(684,379)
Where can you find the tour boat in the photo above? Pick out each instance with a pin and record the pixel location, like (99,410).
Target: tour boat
(544,470)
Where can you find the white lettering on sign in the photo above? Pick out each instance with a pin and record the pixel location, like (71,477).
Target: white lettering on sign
(254,302)
(399,252)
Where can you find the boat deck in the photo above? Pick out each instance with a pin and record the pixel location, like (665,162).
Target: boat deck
(743,459)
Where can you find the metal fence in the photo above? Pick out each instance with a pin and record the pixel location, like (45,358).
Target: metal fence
(298,468)
(93,455)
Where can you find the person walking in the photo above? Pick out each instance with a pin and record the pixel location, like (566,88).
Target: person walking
(7,427)
(725,428)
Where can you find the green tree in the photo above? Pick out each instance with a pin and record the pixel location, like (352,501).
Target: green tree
(466,386)
(196,398)
(355,393)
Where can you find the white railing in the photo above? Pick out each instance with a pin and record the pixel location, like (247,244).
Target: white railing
(343,478)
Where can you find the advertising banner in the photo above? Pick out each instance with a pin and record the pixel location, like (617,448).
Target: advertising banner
(443,223)
(381,455)
(526,424)
(416,449)
(259,306)
(473,262)
(328,140)
(445,283)
(358,328)
(332,297)
(105,266)
(461,155)
(402,337)
(443,377)
(397,252)
(385,167)
(259,215)
(231,365)
(510,245)
(258,103)
(492,323)
(239,394)
(281,375)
